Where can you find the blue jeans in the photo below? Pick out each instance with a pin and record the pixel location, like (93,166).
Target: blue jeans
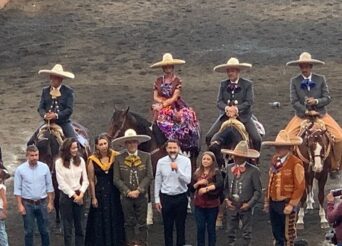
(206,219)
(3,234)
(40,214)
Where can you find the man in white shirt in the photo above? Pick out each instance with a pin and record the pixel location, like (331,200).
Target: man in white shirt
(171,185)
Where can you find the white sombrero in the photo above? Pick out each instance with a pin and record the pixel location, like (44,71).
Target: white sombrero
(130,135)
(305,57)
(284,139)
(231,63)
(57,70)
(167,60)
(242,150)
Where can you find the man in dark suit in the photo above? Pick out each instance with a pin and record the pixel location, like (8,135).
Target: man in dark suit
(132,176)
(57,100)
(309,95)
(235,98)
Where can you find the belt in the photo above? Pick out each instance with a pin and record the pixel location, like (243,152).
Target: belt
(34,202)
(177,195)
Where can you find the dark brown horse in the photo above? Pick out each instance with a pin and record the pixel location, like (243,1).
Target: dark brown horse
(316,154)
(48,142)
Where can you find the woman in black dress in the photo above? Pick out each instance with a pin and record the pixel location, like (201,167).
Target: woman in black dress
(105,220)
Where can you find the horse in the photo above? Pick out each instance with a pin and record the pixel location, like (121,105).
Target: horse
(316,153)
(48,140)
(123,119)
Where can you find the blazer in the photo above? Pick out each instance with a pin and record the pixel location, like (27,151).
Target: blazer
(123,173)
(320,91)
(65,104)
(244,98)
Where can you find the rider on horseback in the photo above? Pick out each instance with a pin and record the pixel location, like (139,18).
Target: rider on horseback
(174,118)
(309,96)
(57,101)
(235,99)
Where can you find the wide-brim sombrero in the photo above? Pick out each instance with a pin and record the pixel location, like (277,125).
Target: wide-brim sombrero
(167,60)
(231,63)
(130,135)
(57,70)
(305,57)
(284,139)
(242,150)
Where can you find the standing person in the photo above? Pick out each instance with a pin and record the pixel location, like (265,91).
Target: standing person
(132,176)
(334,212)
(105,225)
(73,182)
(3,207)
(171,185)
(208,186)
(235,98)
(243,190)
(173,117)
(34,194)
(309,92)
(286,186)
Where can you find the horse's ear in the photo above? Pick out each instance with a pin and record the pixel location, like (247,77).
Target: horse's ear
(115,108)
(127,109)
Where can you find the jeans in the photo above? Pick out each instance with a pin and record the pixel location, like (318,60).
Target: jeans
(68,130)
(206,220)
(40,214)
(72,218)
(277,218)
(3,234)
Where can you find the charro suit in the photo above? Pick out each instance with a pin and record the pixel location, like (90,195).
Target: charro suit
(134,172)
(62,106)
(243,98)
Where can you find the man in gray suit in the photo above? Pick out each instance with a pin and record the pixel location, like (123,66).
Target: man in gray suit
(309,94)
(235,98)
(132,176)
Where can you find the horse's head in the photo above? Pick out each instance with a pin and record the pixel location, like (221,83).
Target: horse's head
(118,122)
(317,143)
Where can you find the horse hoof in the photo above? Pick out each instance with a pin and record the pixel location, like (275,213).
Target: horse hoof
(325,225)
(300,226)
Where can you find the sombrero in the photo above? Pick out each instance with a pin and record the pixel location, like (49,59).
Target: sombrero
(57,70)
(305,57)
(284,139)
(167,60)
(130,135)
(242,150)
(231,63)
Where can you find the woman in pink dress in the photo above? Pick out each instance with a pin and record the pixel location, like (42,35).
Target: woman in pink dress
(172,115)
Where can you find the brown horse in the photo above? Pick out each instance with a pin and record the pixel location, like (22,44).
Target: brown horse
(316,154)
(48,141)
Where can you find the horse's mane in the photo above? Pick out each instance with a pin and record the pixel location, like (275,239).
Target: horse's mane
(144,125)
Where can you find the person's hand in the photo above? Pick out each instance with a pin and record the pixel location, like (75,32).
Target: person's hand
(50,206)
(78,199)
(157,106)
(174,166)
(231,111)
(135,193)
(245,206)
(202,191)
(94,202)
(229,204)
(21,209)
(266,207)
(288,209)
(158,207)
(330,197)
(202,182)
(5,213)
(311,101)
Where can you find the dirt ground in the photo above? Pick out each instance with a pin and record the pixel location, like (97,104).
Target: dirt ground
(109,45)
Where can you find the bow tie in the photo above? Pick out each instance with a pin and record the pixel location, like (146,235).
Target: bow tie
(238,169)
(54,92)
(233,87)
(133,161)
(307,84)
(276,164)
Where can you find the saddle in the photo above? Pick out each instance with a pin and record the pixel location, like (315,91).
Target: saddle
(55,129)
(238,125)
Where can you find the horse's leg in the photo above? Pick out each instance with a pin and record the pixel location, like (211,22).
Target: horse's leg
(322,179)
(149,219)
(309,198)
(301,213)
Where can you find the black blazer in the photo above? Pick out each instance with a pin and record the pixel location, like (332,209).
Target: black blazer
(65,103)
(243,96)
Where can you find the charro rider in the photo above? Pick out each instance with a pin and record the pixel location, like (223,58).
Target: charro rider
(309,95)
(57,100)
(235,98)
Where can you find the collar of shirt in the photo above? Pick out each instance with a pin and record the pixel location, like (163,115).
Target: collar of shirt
(58,88)
(309,78)
(235,82)
(283,159)
(135,153)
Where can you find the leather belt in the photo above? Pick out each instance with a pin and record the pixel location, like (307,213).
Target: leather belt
(34,202)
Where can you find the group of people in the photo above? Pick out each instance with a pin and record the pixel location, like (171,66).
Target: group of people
(118,183)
